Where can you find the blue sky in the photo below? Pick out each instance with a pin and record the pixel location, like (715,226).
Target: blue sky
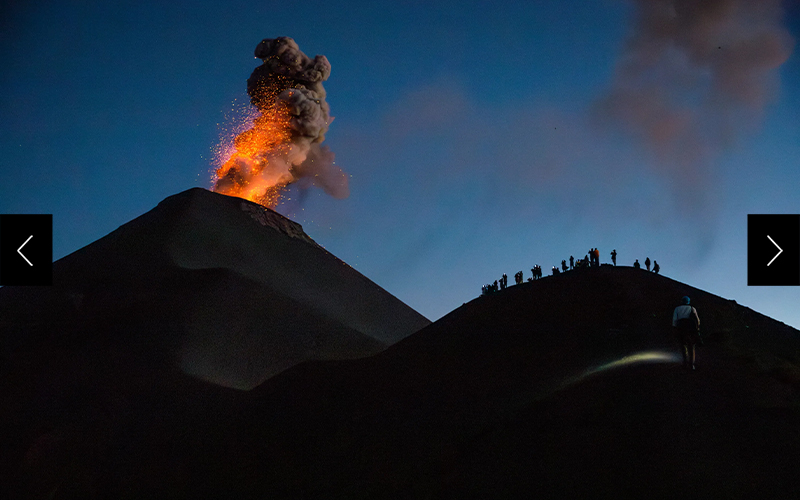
(471,131)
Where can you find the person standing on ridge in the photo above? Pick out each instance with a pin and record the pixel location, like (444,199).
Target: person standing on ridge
(636,264)
(597,257)
(687,324)
(571,262)
(647,263)
(564,265)
(656,267)
(614,256)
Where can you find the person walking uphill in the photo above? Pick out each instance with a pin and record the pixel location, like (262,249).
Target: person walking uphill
(687,325)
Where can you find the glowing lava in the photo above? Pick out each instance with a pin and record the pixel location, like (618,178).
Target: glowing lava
(257,166)
(289,122)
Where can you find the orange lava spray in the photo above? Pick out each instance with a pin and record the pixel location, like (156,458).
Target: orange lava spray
(283,144)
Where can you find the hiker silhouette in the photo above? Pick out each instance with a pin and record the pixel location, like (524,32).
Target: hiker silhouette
(687,328)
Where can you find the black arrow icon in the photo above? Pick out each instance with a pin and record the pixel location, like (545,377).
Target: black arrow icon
(31,263)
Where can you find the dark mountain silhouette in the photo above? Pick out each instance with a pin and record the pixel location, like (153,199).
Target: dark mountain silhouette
(570,386)
(228,290)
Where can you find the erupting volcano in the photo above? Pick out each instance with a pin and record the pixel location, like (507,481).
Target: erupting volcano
(283,145)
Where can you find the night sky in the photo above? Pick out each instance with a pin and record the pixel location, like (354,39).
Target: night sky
(479,138)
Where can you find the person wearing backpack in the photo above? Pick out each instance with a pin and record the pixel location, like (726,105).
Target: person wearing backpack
(687,325)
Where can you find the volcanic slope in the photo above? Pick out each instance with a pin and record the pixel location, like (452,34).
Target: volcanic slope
(229,291)
(571,386)
(567,387)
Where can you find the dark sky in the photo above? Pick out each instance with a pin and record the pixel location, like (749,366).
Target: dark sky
(480,137)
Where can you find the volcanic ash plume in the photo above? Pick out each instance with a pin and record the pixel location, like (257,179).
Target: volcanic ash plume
(693,76)
(283,145)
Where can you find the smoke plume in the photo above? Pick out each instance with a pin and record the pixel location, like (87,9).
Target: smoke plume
(283,145)
(693,76)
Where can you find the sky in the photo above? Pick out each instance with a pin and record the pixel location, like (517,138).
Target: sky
(479,138)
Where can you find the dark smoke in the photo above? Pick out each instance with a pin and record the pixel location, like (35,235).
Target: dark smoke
(292,81)
(285,67)
(694,75)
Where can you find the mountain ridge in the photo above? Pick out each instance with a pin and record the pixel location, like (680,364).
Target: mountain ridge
(164,260)
(568,386)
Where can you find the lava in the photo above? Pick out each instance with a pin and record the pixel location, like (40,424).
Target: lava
(289,118)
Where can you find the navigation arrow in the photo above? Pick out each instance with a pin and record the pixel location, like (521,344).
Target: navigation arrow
(780,250)
(19,250)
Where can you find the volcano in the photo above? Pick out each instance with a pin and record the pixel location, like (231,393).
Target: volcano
(228,290)
(566,387)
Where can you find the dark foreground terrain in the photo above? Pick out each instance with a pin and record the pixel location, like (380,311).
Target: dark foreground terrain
(569,387)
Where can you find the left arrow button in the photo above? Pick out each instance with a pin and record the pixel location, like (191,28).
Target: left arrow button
(19,250)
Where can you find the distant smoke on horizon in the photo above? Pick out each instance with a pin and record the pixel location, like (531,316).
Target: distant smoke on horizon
(283,145)
(692,78)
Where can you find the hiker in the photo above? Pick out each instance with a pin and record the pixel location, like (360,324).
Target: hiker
(636,264)
(647,264)
(503,282)
(586,261)
(555,270)
(596,257)
(494,286)
(571,262)
(564,265)
(518,278)
(614,256)
(656,267)
(687,324)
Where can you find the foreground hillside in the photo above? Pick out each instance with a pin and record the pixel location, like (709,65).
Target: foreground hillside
(570,386)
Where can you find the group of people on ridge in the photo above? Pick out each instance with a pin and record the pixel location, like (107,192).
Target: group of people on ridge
(656,267)
(592,259)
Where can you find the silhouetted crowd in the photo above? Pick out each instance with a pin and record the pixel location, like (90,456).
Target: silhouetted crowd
(592,259)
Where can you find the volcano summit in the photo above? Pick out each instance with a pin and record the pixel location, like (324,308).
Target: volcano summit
(228,290)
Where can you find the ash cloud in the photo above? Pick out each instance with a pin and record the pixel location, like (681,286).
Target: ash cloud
(692,78)
(291,82)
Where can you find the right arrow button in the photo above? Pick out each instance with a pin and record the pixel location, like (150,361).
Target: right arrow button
(780,250)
